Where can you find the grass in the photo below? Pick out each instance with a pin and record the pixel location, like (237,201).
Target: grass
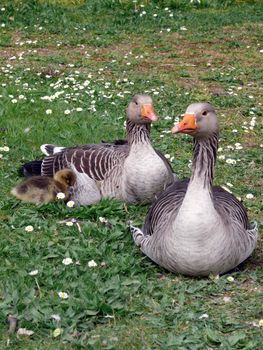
(100,54)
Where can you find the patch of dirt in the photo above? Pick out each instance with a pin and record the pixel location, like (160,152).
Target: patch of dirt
(9,52)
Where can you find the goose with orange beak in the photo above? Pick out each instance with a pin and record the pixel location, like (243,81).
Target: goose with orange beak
(195,228)
(130,170)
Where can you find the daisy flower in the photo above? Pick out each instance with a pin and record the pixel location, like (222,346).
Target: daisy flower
(63,295)
(92,263)
(61,195)
(221,157)
(249,196)
(203,316)
(230,161)
(67,261)
(70,204)
(29,228)
(55,317)
(33,273)
(230,279)
(5,149)
(103,220)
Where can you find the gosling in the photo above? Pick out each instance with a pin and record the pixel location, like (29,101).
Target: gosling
(44,189)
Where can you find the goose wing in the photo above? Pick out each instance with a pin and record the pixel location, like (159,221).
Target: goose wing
(168,201)
(229,207)
(95,160)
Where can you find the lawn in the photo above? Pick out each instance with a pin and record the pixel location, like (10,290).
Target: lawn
(68,70)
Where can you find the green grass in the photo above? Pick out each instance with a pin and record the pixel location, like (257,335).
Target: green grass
(125,301)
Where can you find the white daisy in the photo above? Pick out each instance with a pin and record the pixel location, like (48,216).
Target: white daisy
(230,161)
(70,204)
(103,220)
(61,195)
(33,273)
(92,263)
(67,261)
(63,295)
(55,317)
(230,279)
(221,157)
(203,316)
(249,196)
(29,228)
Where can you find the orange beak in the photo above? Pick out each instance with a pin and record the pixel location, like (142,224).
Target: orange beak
(186,126)
(147,111)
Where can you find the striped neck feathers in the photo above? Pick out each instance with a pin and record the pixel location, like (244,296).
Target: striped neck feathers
(138,133)
(205,150)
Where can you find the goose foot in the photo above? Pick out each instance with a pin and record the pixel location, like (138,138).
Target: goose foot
(137,234)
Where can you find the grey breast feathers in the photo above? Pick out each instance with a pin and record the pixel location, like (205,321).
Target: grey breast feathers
(170,200)
(96,160)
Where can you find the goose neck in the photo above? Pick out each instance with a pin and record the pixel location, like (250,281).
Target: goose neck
(205,150)
(137,133)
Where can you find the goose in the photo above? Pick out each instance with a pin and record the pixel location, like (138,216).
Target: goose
(130,171)
(195,228)
(44,189)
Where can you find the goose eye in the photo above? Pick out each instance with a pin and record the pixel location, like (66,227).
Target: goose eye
(204,113)
(136,103)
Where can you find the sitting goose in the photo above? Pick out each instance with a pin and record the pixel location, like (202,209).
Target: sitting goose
(132,172)
(195,228)
(44,189)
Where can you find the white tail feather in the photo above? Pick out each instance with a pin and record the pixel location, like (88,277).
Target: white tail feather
(49,149)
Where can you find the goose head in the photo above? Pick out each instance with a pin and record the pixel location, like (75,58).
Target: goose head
(141,111)
(199,120)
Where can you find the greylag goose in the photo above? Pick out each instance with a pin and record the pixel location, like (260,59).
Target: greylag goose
(133,172)
(44,189)
(195,228)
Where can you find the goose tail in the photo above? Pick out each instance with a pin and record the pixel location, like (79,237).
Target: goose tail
(32,168)
(48,149)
